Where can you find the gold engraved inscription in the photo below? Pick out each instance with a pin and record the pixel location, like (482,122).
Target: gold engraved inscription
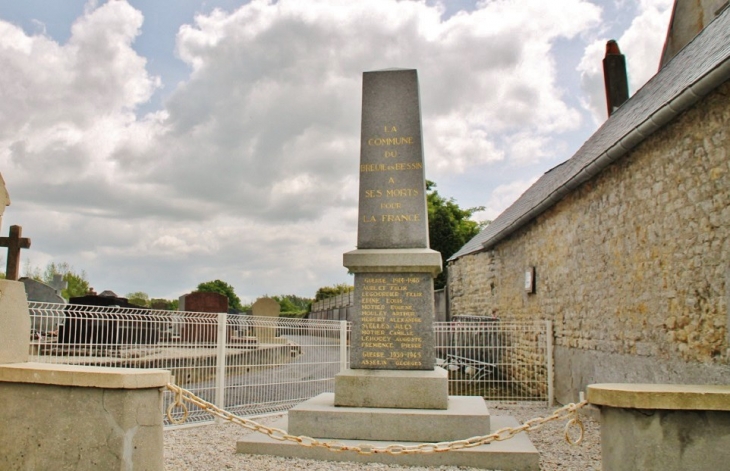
(389,211)
(389,331)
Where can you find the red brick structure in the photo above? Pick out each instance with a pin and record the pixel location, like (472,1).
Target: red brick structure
(205,327)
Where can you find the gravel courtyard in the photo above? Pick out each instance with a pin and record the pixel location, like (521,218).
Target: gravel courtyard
(212,448)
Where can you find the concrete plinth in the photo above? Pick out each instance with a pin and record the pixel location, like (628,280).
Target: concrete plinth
(404,389)
(466,416)
(663,427)
(516,454)
(15,331)
(66,417)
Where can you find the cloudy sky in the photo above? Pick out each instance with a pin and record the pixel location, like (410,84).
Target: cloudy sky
(156,144)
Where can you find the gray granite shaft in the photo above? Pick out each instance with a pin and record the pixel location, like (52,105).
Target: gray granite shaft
(392,185)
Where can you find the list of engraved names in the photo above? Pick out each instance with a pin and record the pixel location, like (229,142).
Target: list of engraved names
(391,332)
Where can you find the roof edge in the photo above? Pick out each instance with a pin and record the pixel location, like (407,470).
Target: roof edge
(691,95)
(664,114)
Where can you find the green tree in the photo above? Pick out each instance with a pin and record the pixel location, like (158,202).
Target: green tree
(449,227)
(292,305)
(139,298)
(165,304)
(331,291)
(221,287)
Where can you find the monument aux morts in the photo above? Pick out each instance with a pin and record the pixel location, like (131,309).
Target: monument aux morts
(392,390)
(393,266)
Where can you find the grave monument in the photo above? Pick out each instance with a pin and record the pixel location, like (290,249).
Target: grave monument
(200,302)
(41,292)
(266,331)
(14,242)
(392,390)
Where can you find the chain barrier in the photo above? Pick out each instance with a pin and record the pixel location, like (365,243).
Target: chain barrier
(568,412)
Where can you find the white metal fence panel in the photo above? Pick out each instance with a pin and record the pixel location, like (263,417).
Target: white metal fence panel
(249,365)
(501,361)
(255,365)
(297,362)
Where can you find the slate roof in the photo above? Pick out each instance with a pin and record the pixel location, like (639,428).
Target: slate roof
(694,72)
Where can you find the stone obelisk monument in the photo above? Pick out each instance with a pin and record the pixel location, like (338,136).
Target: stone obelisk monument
(392,348)
(392,390)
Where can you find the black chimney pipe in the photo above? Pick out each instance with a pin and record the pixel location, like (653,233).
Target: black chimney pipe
(614,77)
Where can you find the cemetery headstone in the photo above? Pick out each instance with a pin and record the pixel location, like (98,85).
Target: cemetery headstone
(40,292)
(265,329)
(106,298)
(58,283)
(203,301)
(88,327)
(205,328)
(14,243)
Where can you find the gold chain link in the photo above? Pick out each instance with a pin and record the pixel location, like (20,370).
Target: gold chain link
(568,412)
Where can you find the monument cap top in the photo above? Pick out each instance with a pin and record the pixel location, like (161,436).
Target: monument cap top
(389,69)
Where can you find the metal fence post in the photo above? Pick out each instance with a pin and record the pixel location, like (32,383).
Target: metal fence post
(343,345)
(220,370)
(549,354)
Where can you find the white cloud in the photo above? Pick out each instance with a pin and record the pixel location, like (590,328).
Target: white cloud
(249,173)
(502,197)
(67,107)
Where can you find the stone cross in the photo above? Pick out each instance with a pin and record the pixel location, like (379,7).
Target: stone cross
(58,283)
(14,243)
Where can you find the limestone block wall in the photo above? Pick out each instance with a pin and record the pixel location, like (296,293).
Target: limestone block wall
(633,267)
(525,365)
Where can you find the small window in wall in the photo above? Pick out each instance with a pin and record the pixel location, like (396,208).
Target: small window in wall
(530,280)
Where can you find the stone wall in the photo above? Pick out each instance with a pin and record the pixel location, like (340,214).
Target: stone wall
(336,308)
(633,267)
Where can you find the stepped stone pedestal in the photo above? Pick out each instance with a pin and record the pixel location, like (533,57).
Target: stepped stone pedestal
(402,389)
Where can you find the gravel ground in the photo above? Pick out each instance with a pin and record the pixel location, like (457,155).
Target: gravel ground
(212,448)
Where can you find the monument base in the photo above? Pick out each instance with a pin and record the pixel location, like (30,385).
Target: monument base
(466,416)
(401,389)
(517,453)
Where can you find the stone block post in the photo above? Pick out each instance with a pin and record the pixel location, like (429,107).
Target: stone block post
(663,427)
(72,417)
